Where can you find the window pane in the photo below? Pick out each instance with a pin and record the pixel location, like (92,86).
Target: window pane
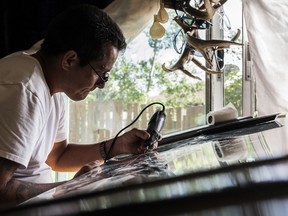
(231,21)
(138,80)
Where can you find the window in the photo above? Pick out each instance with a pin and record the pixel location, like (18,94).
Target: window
(138,79)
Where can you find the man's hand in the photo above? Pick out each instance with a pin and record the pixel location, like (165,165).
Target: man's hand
(131,142)
(86,168)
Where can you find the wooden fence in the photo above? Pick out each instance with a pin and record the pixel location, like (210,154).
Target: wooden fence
(91,122)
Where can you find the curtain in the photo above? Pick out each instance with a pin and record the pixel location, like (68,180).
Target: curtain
(132,15)
(267,31)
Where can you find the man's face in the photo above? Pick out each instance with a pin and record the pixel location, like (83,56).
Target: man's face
(82,80)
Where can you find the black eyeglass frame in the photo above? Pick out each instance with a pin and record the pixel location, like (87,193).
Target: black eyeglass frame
(103,79)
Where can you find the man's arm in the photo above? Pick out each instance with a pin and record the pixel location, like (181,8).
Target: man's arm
(66,157)
(72,157)
(13,191)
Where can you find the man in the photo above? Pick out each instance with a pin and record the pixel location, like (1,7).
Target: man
(79,50)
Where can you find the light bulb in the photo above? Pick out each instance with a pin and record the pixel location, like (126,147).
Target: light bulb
(157,30)
(163,16)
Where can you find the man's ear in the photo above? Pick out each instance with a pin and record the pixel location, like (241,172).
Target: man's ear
(69,59)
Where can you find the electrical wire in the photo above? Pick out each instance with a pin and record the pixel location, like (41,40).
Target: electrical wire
(114,140)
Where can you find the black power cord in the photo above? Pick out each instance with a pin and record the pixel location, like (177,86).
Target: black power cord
(114,140)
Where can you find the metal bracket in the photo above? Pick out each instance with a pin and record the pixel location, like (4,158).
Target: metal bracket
(248,63)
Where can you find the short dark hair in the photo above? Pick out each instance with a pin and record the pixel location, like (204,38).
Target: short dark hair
(85,29)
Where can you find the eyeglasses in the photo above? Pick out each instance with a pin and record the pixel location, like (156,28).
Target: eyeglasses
(106,76)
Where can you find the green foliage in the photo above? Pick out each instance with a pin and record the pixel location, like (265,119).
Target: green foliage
(183,93)
(135,80)
(125,84)
(233,86)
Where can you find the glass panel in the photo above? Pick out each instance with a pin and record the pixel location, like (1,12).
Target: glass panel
(188,167)
(230,22)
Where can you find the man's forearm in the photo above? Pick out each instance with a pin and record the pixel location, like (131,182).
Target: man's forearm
(17,191)
(75,156)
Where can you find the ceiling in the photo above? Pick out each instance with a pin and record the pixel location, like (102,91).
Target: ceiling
(23,22)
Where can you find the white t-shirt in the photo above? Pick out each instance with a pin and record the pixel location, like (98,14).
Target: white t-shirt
(31,120)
